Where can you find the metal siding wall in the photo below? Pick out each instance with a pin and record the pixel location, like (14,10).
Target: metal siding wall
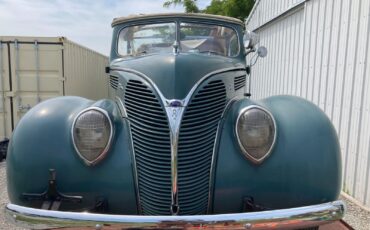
(321,52)
(84,72)
(264,11)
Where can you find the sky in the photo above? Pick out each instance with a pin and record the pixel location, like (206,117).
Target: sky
(87,22)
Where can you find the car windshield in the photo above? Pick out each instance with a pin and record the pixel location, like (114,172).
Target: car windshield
(147,39)
(210,39)
(194,38)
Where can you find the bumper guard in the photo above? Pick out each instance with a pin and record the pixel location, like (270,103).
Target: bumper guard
(292,218)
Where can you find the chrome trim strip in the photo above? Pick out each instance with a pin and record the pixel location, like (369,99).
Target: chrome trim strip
(215,147)
(121,107)
(105,151)
(134,168)
(174,115)
(301,217)
(188,97)
(250,157)
(145,77)
(192,90)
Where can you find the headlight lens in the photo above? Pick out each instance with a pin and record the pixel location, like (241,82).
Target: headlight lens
(256,133)
(92,133)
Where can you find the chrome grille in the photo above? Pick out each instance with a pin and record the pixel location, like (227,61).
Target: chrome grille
(113,80)
(151,140)
(239,82)
(196,142)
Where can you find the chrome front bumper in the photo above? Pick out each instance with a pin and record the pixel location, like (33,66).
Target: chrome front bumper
(291,218)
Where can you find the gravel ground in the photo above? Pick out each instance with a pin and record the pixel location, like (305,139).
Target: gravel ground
(356,217)
(4,199)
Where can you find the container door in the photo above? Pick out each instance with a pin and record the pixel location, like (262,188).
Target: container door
(5,115)
(36,74)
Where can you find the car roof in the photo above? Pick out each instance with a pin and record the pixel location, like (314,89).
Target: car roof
(135,17)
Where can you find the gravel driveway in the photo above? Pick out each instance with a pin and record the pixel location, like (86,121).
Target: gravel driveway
(358,218)
(4,199)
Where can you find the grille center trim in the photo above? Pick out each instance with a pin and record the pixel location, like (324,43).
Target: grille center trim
(174,114)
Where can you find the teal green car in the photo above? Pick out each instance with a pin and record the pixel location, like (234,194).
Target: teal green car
(179,143)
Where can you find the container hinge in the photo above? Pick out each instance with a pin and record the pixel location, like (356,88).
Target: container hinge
(9,94)
(24,108)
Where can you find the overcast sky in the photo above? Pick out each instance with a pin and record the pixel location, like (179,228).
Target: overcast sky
(86,22)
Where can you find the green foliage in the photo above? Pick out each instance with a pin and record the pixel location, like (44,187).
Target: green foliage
(189,5)
(234,8)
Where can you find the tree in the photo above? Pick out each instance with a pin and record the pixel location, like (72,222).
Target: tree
(189,5)
(234,8)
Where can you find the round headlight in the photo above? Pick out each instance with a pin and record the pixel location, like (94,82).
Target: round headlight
(256,133)
(92,133)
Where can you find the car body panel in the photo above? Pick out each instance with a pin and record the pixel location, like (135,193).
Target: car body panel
(175,75)
(304,166)
(46,130)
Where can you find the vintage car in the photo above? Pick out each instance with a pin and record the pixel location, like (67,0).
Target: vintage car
(179,143)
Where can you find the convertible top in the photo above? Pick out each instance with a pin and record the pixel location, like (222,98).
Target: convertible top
(174,15)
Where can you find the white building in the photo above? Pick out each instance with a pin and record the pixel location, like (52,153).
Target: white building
(319,50)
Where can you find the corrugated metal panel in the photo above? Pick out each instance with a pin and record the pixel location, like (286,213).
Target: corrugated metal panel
(320,51)
(264,11)
(33,69)
(84,72)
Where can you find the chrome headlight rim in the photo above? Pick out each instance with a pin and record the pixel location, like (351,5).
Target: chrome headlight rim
(245,152)
(107,147)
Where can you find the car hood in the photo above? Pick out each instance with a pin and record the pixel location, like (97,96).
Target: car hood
(175,75)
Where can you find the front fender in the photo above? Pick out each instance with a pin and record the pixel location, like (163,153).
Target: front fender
(42,141)
(304,167)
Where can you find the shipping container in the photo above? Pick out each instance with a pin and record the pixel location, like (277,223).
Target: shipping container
(319,50)
(34,69)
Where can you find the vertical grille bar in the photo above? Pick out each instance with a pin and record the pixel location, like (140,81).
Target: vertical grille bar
(196,142)
(151,140)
